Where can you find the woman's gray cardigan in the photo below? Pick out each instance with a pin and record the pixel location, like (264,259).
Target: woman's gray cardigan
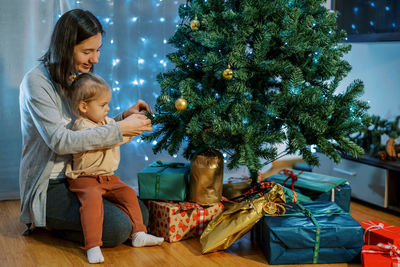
(46,120)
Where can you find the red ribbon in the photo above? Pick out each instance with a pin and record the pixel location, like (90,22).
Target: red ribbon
(290,175)
(294,178)
(257,189)
(224,199)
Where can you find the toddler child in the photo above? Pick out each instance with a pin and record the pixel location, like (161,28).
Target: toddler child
(91,173)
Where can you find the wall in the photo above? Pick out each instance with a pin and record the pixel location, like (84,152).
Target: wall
(22,43)
(377,65)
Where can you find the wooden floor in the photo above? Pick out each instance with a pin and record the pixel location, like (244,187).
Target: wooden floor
(42,249)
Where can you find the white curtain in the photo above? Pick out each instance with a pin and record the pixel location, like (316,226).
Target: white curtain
(133,53)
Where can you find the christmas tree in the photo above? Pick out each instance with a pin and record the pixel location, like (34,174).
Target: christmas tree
(253,74)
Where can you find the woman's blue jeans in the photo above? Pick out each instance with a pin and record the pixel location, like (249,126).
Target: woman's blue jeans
(63,218)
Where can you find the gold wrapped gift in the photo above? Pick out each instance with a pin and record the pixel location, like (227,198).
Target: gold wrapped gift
(236,221)
(206,174)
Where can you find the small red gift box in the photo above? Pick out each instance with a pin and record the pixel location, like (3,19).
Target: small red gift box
(180,220)
(379,232)
(382,255)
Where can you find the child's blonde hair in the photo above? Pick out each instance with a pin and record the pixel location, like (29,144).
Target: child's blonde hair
(85,88)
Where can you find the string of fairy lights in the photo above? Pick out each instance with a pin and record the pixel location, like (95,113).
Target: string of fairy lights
(134,50)
(368,17)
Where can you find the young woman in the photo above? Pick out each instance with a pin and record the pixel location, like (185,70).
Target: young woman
(47,138)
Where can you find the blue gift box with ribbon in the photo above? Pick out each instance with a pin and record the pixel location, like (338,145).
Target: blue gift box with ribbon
(164,181)
(310,232)
(319,187)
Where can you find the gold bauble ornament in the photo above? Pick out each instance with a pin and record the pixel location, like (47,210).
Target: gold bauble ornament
(195,24)
(228,73)
(181,103)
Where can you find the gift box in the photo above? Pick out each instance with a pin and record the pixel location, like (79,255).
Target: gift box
(180,220)
(234,190)
(235,186)
(318,187)
(310,232)
(293,196)
(238,219)
(382,255)
(164,181)
(376,232)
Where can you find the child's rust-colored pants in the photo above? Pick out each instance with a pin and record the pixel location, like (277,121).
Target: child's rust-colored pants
(90,190)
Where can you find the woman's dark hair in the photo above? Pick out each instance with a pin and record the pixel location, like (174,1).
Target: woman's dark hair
(72,28)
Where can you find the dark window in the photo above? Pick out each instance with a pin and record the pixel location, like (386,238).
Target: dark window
(369,21)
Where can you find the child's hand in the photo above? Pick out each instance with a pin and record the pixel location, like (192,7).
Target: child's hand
(140,107)
(135,124)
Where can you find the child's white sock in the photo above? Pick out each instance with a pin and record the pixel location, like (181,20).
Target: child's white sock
(94,255)
(141,239)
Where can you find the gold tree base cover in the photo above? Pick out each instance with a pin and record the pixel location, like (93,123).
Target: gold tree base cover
(206,177)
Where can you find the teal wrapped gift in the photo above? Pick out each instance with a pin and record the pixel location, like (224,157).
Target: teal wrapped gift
(310,232)
(164,181)
(318,187)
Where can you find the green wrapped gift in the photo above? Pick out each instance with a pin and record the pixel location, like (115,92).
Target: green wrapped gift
(299,196)
(308,180)
(164,181)
(318,187)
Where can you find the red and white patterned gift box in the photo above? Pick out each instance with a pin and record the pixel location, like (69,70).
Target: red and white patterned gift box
(180,220)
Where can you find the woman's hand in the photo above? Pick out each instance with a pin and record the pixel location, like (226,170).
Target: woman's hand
(135,124)
(140,107)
